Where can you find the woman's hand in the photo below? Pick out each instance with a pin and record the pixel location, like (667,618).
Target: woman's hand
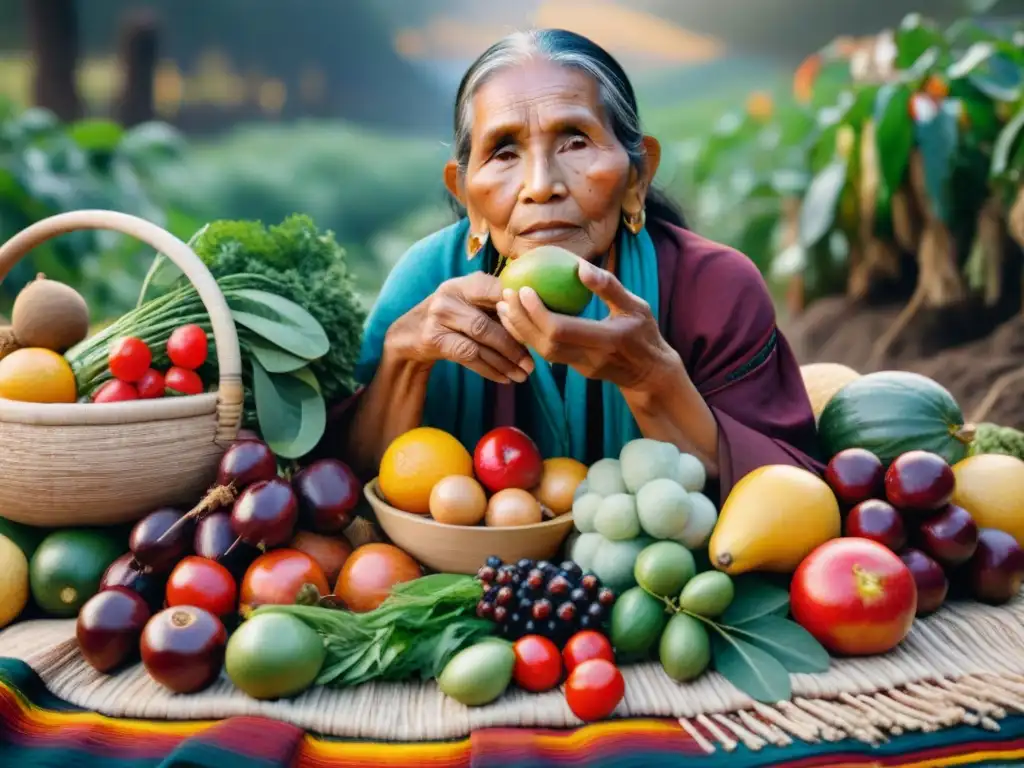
(455,323)
(626,348)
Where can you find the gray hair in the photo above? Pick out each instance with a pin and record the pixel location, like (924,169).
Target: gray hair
(568,50)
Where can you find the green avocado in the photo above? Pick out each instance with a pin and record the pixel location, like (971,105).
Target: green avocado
(553,273)
(67,567)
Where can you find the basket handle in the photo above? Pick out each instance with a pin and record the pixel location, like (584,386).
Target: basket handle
(229,359)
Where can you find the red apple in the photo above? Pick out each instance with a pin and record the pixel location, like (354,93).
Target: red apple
(879,521)
(506,457)
(855,475)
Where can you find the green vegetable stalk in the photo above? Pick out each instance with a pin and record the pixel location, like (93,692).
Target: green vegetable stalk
(412,634)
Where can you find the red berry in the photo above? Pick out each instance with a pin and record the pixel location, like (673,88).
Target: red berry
(151,385)
(181,381)
(187,347)
(129,359)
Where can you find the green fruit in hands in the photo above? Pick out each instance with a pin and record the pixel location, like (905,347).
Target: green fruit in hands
(708,594)
(664,568)
(554,273)
(685,649)
(479,674)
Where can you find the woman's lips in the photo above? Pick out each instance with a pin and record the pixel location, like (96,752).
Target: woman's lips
(549,232)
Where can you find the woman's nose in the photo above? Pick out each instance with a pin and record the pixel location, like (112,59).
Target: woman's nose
(543,181)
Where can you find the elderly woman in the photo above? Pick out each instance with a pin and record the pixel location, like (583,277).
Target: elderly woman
(679,342)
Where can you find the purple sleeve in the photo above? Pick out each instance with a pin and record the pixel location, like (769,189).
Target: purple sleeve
(743,366)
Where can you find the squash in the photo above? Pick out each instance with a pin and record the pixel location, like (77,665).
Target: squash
(991,488)
(823,380)
(892,412)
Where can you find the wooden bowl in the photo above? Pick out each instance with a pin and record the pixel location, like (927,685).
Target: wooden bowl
(463,548)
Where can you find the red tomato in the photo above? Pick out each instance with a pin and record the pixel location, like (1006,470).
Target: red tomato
(275,578)
(506,457)
(584,646)
(855,596)
(151,385)
(594,689)
(538,663)
(182,381)
(115,391)
(204,584)
(129,359)
(187,347)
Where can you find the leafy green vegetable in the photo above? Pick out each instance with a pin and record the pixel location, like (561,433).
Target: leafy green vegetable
(752,670)
(306,266)
(412,634)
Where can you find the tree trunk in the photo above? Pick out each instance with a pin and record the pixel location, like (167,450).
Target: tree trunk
(939,276)
(53,30)
(139,49)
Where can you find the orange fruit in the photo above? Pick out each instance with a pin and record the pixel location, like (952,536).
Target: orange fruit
(37,375)
(369,574)
(558,481)
(415,462)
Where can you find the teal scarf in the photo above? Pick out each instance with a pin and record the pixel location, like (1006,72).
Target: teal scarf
(455,395)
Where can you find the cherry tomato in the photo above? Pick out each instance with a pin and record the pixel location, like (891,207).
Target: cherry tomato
(584,646)
(538,663)
(594,689)
(204,584)
(182,381)
(187,347)
(129,359)
(115,391)
(151,385)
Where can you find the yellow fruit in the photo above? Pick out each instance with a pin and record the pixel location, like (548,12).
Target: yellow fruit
(558,482)
(773,519)
(415,462)
(14,588)
(823,380)
(36,375)
(991,487)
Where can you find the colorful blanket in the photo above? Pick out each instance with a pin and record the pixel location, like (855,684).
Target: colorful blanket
(37,729)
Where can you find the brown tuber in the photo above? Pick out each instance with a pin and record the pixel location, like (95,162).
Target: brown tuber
(47,314)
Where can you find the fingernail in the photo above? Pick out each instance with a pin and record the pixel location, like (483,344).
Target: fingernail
(518,376)
(527,364)
(586,269)
(526,293)
(508,294)
(501,307)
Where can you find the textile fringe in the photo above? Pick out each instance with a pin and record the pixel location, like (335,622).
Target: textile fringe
(962,665)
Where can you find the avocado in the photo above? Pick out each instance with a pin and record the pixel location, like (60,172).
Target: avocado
(553,273)
(68,565)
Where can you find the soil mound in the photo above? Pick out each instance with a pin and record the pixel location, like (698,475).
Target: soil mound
(945,348)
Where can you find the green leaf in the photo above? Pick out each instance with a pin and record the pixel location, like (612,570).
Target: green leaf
(794,647)
(914,38)
(271,357)
(754,671)
(938,136)
(818,212)
(279,321)
(96,135)
(292,414)
(894,135)
(754,599)
(1009,138)
(990,71)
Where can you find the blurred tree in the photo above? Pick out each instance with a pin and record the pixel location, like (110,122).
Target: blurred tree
(138,55)
(53,31)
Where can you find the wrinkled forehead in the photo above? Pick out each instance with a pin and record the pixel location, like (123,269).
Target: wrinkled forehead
(536,95)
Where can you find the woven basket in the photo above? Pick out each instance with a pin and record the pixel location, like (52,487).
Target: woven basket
(105,464)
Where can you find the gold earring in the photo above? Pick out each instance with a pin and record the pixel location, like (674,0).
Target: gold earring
(635,221)
(476,243)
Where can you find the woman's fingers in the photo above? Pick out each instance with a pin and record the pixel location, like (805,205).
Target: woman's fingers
(478,289)
(466,352)
(488,332)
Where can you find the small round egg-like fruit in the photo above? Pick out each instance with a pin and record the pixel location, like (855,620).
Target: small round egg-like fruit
(49,314)
(512,507)
(458,500)
(559,480)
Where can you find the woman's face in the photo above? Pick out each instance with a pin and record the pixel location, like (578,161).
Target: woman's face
(545,166)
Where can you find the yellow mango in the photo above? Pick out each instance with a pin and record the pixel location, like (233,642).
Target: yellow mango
(990,486)
(774,517)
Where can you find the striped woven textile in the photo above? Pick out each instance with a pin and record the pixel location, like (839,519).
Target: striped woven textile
(38,730)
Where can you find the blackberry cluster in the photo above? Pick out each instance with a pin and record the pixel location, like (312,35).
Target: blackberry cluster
(555,601)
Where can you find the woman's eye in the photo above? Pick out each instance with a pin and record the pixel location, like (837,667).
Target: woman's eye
(504,154)
(575,142)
